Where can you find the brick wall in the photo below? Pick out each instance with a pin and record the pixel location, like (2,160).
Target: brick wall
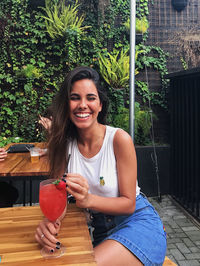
(179,34)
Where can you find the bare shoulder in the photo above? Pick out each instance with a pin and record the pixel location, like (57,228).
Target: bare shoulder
(122,140)
(122,135)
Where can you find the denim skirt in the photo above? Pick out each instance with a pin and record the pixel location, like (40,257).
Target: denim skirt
(142,232)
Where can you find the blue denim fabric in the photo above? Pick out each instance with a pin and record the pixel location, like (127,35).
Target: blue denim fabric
(141,232)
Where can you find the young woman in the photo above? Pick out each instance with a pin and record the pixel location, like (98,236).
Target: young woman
(102,177)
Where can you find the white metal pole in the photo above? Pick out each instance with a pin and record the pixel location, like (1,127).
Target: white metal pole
(132,68)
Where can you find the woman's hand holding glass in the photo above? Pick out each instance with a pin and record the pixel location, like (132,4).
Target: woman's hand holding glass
(53,200)
(46,233)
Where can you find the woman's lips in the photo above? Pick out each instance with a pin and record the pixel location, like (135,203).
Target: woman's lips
(82,115)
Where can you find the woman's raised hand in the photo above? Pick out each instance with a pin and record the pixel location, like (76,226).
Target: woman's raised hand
(45,122)
(3,154)
(46,233)
(78,187)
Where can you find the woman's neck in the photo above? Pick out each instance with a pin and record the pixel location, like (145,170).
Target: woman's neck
(90,140)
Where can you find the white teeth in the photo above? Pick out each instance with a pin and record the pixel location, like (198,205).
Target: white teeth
(82,115)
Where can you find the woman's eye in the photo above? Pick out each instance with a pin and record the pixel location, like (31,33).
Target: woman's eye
(91,98)
(74,98)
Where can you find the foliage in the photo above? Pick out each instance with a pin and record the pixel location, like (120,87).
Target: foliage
(184,63)
(61,18)
(32,66)
(115,68)
(4,141)
(143,122)
(152,57)
(141,25)
(142,9)
(33,62)
(29,71)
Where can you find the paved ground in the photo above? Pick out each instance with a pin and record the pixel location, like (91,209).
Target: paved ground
(183,233)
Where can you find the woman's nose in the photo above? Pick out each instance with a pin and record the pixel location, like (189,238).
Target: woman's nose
(83,103)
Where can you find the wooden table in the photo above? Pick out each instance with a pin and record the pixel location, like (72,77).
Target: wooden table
(19,166)
(18,245)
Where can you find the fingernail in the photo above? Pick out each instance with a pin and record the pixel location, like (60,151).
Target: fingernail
(57,247)
(58,222)
(52,250)
(56,234)
(58,243)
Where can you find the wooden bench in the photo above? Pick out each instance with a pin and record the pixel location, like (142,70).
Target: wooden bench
(168,262)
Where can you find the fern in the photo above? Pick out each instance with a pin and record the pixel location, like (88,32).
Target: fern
(60,18)
(115,68)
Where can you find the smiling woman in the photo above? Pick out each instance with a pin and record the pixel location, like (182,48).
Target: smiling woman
(85,104)
(102,176)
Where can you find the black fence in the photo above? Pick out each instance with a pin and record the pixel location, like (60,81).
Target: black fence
(185,139)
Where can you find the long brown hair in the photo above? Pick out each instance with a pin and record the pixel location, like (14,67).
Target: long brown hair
(63,130)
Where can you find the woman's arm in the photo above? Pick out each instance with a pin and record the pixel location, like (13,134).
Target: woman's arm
(127,176)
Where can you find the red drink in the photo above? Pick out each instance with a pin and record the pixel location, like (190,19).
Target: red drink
(52,201)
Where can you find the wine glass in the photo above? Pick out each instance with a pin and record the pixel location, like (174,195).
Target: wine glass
(53,200)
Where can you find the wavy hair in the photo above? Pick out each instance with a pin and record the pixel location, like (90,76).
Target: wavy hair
(63,130)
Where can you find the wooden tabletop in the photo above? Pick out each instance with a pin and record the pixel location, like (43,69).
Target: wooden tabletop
(19,164)
(18,245)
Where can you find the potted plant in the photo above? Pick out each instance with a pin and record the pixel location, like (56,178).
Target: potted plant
(114,68)
(27,73)
(61,18)
(141,27)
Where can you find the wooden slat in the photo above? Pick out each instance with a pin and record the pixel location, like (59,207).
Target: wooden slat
(26,168)
(18,245)
(10,163)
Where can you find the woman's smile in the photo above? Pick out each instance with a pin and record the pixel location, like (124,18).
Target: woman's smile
(82,115)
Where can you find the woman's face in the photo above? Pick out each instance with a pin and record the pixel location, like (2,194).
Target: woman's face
(85,104)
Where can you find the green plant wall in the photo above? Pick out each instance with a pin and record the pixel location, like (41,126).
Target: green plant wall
(32,65)
(33,62)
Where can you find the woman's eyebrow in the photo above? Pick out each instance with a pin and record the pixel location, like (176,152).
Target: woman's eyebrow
(91,94)
(74,94)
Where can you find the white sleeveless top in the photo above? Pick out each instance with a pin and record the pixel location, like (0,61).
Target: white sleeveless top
(100,170)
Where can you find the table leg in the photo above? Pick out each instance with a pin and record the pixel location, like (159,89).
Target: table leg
(30,192)
(24,192)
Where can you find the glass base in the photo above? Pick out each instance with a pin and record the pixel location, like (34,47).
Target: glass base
(56,254)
